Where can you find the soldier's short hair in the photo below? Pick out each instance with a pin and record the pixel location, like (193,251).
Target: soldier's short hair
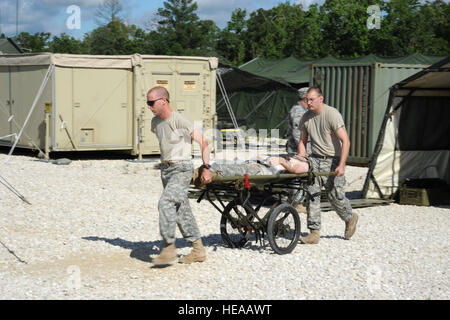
(316,89)
(160,91)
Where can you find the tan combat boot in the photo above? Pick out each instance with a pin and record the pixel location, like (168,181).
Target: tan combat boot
(198,253)
(350,226)
(167,256)
(312,238)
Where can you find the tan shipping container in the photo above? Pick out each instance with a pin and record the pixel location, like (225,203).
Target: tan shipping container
(98,102)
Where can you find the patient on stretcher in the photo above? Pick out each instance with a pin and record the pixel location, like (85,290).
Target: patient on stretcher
(259,166)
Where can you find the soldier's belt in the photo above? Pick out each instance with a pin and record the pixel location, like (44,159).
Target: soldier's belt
(323,157)
(168,163)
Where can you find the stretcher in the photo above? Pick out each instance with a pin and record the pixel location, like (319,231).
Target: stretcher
(258,207)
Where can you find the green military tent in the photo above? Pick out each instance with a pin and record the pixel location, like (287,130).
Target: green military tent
(256,102)
(297,72)
(8,45)
(262,91)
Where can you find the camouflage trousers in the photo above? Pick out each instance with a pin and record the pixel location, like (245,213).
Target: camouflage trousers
(334,188)
(239,169)
(174,208)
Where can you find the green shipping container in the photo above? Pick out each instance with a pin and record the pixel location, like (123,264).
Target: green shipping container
(360,92)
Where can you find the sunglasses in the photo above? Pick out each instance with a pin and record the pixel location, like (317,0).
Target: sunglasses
(150,103)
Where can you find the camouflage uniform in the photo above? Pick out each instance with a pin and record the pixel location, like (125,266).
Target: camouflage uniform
(252,168)
(334,187)
(173,206)
(293,127)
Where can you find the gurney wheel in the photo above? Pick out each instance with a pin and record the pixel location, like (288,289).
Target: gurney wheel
(232,229)
(283,229)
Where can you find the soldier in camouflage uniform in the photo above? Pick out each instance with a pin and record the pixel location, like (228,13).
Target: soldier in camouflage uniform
(293,123)
(174,134)
(254,167)
(330,145)
(293,126)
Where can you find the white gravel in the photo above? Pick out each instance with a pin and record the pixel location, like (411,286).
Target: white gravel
(92,229)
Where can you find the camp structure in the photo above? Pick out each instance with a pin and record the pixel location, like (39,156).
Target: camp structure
(357,87)
(9,46)
(249,101)
(62,102)
(413,145)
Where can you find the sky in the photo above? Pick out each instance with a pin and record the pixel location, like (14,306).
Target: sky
(76,17)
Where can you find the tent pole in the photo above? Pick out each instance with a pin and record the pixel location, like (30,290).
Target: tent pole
(261,102)
(12,189)
(227,102)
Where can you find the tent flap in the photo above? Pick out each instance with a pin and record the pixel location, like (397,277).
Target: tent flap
(414,142)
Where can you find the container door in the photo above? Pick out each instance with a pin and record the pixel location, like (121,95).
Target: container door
(5,105)
(157,73)
(25,84)
(191,85)
(101,109)
(348,89)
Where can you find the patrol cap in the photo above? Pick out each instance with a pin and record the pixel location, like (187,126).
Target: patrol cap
(302,92)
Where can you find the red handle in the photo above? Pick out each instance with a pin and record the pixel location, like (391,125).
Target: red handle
(246,183)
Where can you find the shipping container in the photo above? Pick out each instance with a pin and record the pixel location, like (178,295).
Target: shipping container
(360,92)
(191,82)
(86,102)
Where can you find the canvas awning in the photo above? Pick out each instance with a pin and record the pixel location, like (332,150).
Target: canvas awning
(90,61)
(414,138)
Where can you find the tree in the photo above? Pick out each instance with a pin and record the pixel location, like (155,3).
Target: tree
(112,39)
(182,32)
(108,11)
(434,34)
(278,32)
(345,27)
(231,42)
(34,43)
(399,27)
(310,35)
(66,44)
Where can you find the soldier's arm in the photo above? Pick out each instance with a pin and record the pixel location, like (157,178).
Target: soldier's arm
(302,144)
(341,133)
(198,137)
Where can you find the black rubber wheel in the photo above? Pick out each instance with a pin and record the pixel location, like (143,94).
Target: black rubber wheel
(234,232)
(283,229)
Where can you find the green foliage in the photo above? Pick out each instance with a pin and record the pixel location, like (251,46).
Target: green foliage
(183,33)
(33,43)
(337,28)
(230,41)
(345,28)
(66,44)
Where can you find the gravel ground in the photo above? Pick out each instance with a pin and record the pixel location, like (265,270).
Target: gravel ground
(92,229)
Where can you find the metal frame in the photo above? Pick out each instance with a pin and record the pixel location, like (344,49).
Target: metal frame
(252,193)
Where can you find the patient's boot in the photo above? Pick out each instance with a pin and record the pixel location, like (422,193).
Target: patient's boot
(312,238)
(167,256)
(198,254)
(196,178)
